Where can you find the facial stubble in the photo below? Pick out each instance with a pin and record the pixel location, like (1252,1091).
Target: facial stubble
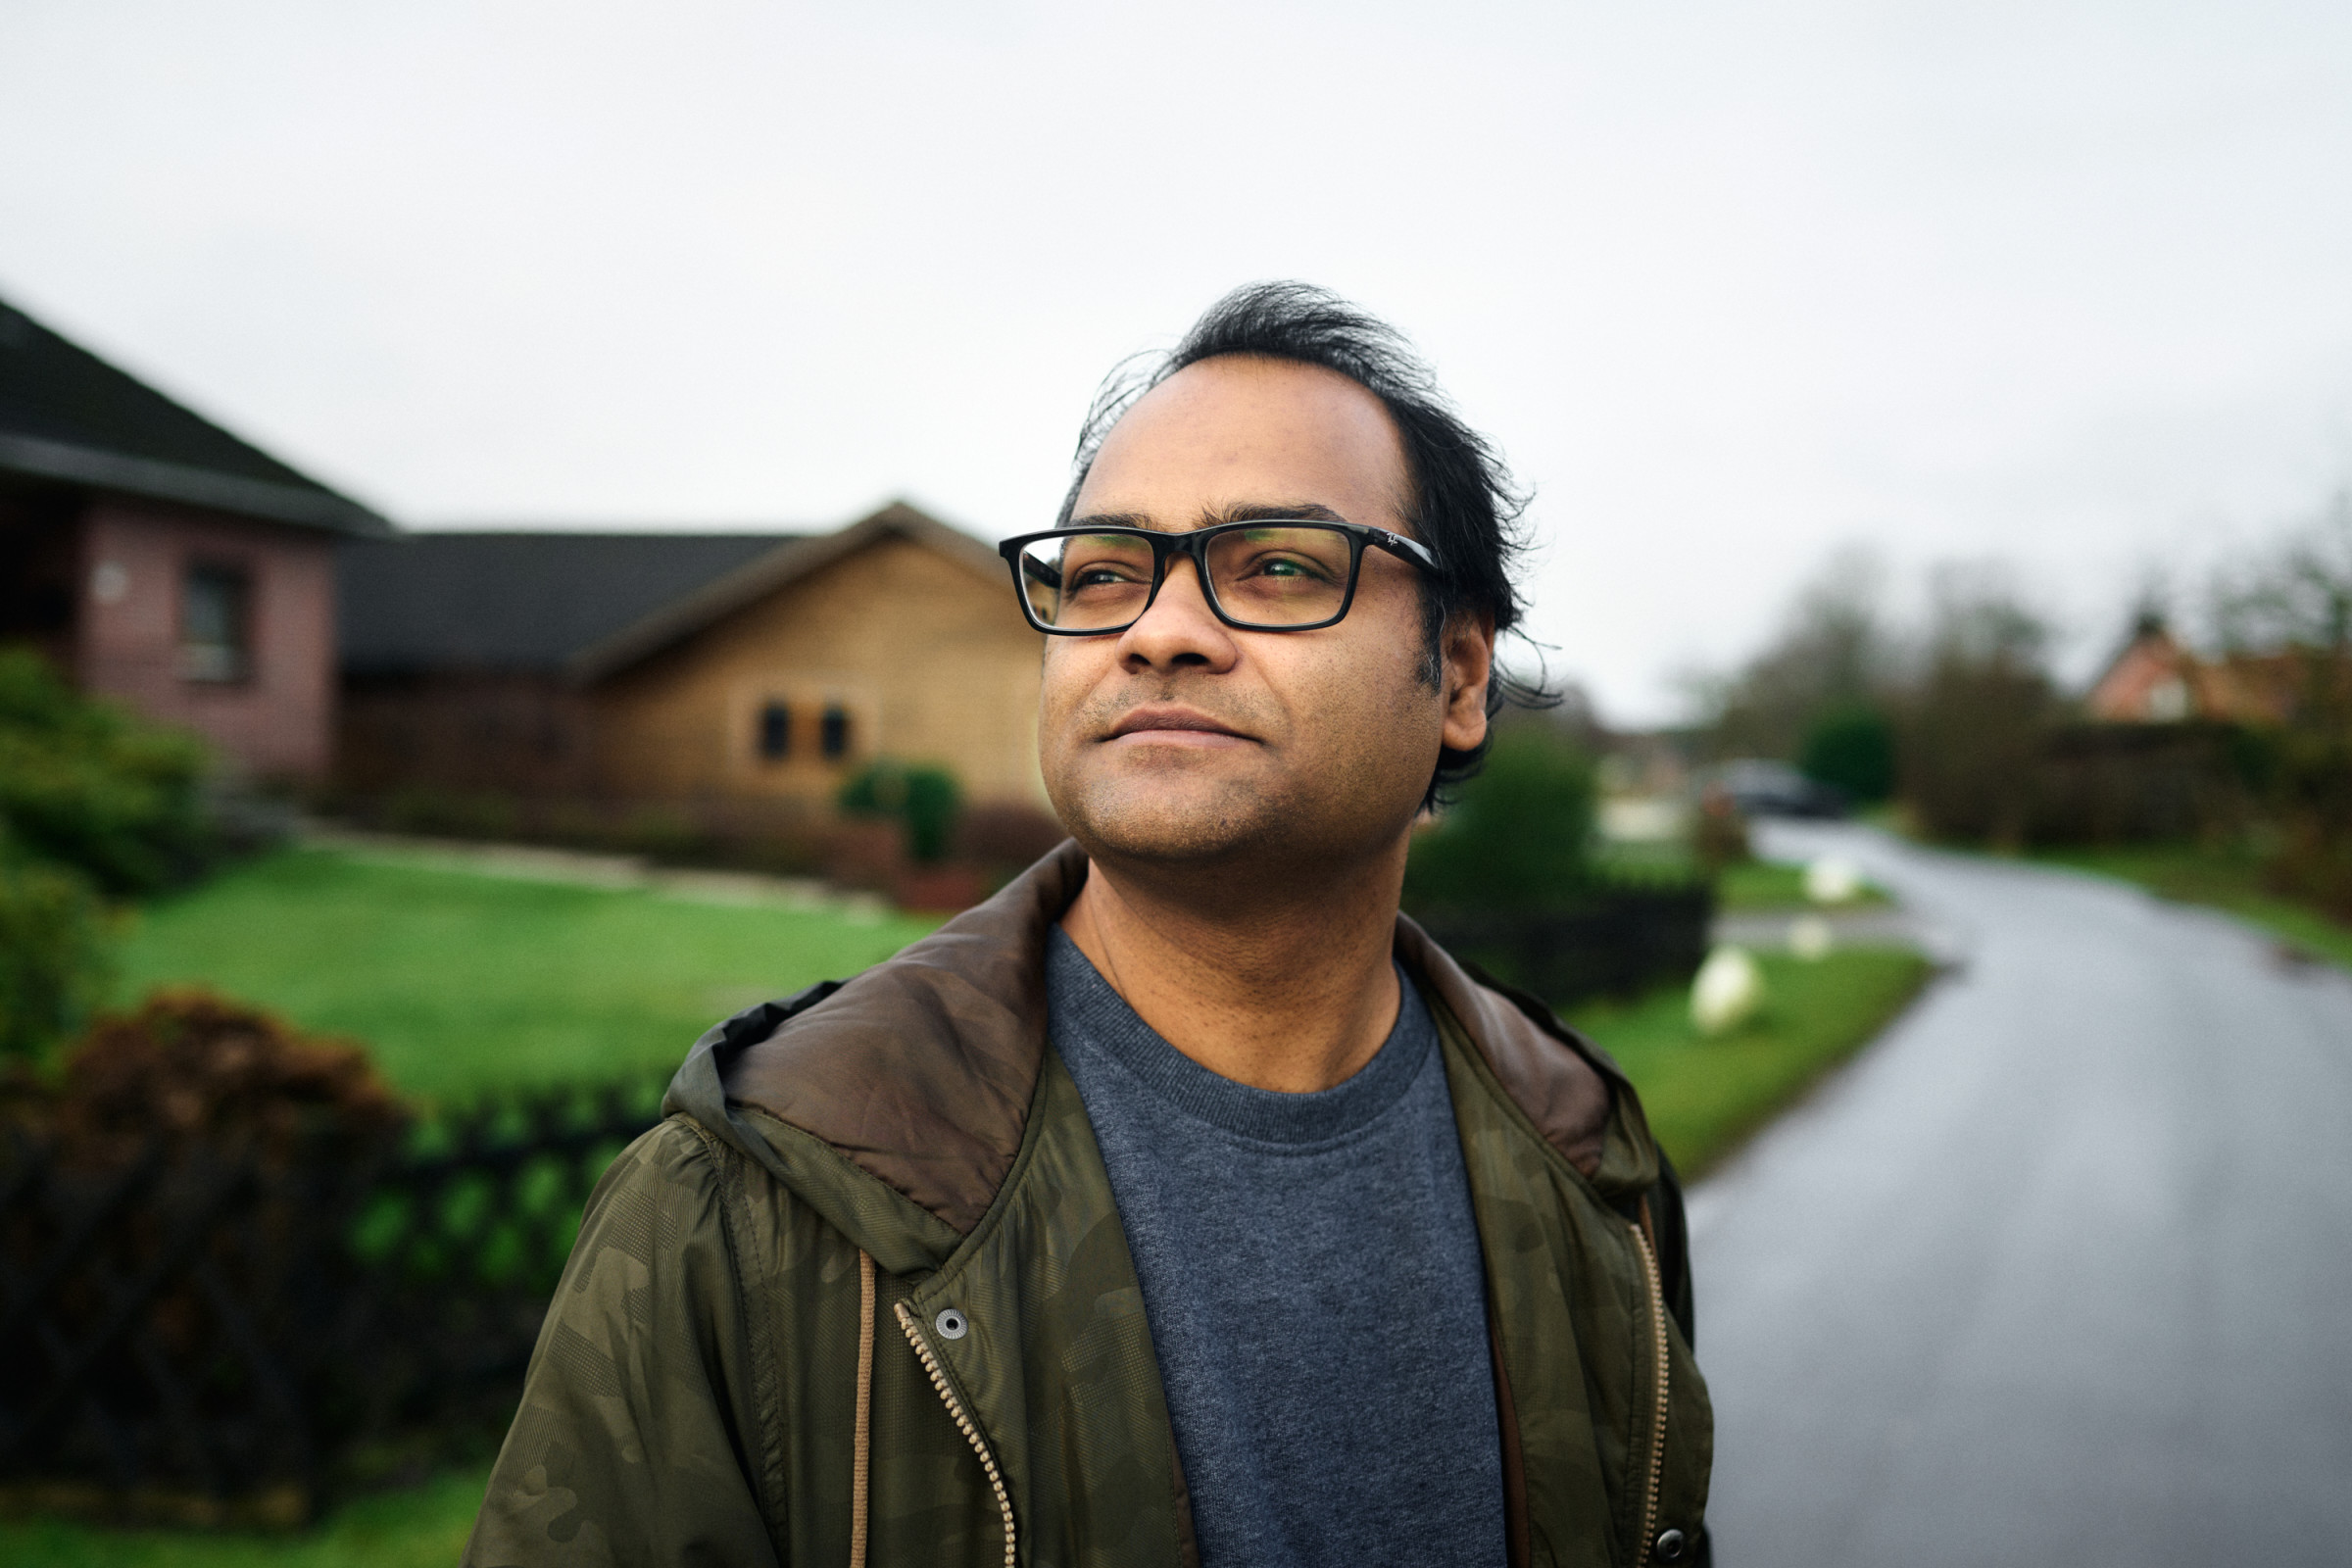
(1260,813)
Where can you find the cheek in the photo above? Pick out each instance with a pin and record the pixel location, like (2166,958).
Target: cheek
(1369,709)
(1065,679)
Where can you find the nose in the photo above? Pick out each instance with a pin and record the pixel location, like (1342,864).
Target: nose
(1179,629)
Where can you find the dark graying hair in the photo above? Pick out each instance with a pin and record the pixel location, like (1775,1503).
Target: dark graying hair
(1463,505)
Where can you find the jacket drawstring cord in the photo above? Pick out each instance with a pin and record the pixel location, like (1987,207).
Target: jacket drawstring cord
(861,1445)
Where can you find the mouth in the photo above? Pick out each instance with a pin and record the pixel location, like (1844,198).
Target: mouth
(1162,724)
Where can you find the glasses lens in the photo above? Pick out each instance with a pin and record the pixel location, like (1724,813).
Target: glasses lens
(1284,574)
(1087,583)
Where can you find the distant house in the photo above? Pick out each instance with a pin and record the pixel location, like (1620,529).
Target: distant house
(2155,680)
(159,561)
(687,670)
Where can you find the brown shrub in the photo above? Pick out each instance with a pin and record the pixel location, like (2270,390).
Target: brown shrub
(1006,835)
(196,1069)
(1720,836)
(863,853)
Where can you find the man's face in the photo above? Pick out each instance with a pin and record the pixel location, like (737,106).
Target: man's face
(1182,739)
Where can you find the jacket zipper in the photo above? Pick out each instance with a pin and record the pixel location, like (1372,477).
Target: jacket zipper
(1657,1452)
(963,1422)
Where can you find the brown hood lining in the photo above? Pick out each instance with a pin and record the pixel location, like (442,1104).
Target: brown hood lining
(921,1070)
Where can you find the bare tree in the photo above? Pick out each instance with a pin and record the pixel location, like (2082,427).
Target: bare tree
(1834,648)
(2290,609)
(2296,596)
(1975,721)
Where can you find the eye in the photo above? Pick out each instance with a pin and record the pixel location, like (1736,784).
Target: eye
(1279,564)
(1103,574)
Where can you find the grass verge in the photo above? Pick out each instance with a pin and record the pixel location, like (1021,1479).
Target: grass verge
(459,981)
(2225,879)
(1704,1096)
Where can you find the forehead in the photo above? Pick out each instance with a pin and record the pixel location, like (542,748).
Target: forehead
(1239,432)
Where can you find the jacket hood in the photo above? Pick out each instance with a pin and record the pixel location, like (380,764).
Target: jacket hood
(896,1102)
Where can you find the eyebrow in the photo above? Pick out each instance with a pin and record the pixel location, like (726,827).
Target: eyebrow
(1239,512)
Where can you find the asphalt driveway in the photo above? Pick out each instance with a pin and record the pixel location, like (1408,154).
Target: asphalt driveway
(2059,1271)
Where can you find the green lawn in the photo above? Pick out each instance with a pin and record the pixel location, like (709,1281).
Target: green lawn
(1770,885)
(1704,1096)
(459,981)
(2226,879)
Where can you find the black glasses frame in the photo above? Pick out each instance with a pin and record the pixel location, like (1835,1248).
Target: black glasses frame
(1195,544)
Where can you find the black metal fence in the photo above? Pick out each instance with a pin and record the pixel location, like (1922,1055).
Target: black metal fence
(1610,941)
(209,1337)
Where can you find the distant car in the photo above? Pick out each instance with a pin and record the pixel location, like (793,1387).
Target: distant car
(1762,788)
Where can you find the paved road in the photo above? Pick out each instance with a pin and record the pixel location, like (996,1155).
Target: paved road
(2060,1271)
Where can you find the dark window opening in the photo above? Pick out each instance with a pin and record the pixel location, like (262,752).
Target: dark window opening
(776,732)
(833,731)
(215,605)
(38,540)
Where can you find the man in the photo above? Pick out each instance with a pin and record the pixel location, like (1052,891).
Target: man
(1181,1204)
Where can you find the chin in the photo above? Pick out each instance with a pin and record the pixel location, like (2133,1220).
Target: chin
(1169,820)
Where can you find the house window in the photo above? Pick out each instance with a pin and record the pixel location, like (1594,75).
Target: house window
(216,606)
(776,732)
(833,732)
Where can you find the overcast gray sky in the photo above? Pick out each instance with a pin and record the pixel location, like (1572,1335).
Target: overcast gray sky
(1730,283)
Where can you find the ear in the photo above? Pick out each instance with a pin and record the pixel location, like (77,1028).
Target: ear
(1468,650)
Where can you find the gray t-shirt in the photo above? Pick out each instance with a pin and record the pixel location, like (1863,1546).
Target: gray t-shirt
(1311,1274)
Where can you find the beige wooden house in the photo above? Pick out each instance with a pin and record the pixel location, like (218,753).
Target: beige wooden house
(686,669)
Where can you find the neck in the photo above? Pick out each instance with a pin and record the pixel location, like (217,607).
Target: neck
(1289,987)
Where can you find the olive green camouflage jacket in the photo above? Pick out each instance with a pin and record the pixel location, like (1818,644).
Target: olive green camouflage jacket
(864,1297)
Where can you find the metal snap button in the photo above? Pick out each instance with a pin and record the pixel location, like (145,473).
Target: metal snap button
(1671,1545)
(950,1324)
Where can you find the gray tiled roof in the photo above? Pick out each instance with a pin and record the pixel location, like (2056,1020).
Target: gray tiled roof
(67,417)
(517,601)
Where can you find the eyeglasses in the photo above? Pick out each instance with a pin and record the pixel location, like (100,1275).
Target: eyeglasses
(1279,574)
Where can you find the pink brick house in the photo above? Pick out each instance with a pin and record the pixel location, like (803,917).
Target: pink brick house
(164,562)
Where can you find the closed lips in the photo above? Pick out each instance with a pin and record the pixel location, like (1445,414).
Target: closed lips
(1163,720)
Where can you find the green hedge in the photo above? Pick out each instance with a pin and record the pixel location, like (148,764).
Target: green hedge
(926,802)
(54,956)
(83,784)
(1520,836)
(92,802)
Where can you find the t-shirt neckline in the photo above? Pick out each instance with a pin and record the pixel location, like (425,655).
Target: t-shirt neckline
(1086,1013)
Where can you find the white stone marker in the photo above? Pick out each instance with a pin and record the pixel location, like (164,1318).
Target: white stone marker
(1727,991)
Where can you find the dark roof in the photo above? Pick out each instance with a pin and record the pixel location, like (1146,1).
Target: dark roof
(517,601)
(758,579)
(583,604)
(67,415)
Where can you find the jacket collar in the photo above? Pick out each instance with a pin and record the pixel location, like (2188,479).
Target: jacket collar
(923,1070)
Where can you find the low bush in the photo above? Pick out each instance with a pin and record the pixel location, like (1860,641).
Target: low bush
(193,1069)
(1006,837)
(449,813)
(54,956)
(1507,880)
(1851,747)
(1520,838)
(85,785)
(260,1283)
(924,801)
